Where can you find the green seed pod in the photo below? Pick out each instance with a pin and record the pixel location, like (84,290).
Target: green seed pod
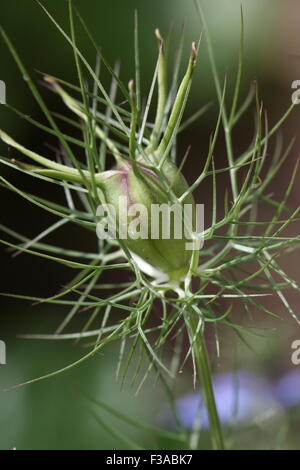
(158,235)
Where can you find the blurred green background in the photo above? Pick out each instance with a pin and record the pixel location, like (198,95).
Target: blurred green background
(54,414)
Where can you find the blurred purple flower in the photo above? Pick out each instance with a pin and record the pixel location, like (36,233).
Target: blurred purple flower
(240,397)
(287,388)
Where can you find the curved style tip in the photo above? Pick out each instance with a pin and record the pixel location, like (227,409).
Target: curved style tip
(49,79)
(131,89)
(194,52)
(131,86)
(159,38)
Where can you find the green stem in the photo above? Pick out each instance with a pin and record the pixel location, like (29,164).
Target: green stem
(202,362)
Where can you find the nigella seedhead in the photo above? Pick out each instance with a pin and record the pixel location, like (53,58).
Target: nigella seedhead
(123,159)
(159,242)
(144,174)
(150,179)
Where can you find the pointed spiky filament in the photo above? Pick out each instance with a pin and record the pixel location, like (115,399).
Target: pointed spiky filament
(78,109)
(177,111)
(162,94)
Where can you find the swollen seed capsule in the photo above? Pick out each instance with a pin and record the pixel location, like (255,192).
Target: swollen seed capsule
(153,225)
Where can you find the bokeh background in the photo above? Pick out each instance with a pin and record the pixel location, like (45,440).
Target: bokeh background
(54,414)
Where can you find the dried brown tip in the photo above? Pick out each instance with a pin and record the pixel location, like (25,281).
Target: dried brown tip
(131,85)
(17,163)
(131,89)
(159,38)
(194,52)
(49,79)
